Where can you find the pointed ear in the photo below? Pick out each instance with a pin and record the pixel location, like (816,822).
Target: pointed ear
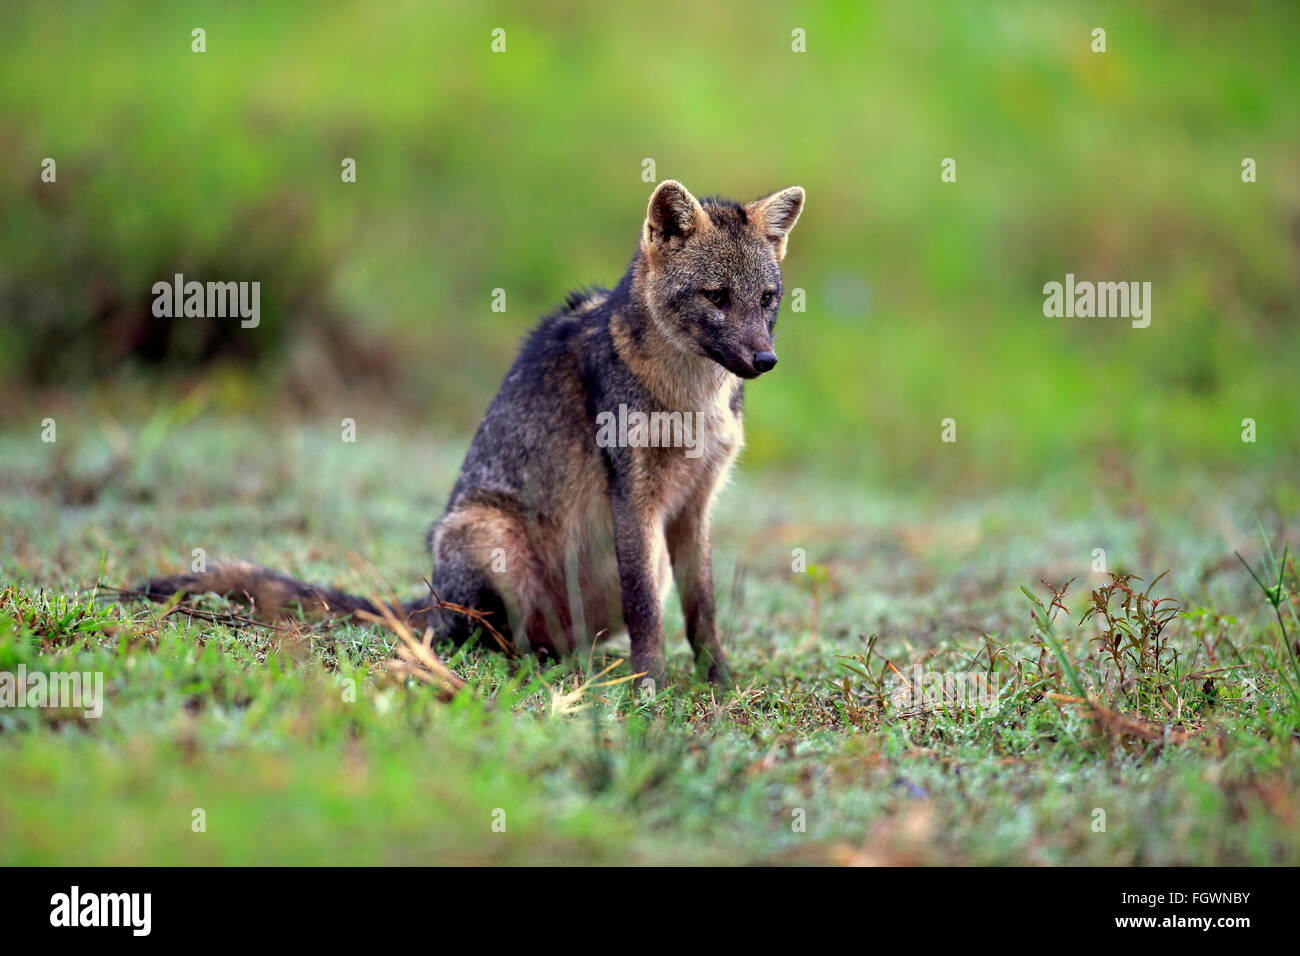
(672,216)
(775,215)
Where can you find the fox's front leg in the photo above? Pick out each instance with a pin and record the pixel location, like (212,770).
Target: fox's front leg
(636,578)
(688,546)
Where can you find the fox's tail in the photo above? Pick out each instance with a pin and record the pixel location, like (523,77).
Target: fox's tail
(270,593)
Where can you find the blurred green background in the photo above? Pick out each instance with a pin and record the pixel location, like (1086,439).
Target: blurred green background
(522,170)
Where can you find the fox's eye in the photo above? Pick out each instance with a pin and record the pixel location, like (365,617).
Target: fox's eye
(716,296)
(767,298)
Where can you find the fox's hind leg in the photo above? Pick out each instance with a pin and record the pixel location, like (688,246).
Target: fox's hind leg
(484,559)
(456,581)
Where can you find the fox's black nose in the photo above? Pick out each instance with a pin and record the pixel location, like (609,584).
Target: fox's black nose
(764,361)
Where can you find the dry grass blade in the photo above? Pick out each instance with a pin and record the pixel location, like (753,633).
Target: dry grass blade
(415,658)
(1122,725)
(474,614)
(564,704)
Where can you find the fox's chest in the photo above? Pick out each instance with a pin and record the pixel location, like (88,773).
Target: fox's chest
(672,479)
(669,478)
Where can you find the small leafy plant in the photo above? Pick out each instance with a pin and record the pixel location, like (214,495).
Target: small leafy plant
(1279,596)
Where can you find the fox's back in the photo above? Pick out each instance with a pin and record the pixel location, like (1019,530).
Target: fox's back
(535,438)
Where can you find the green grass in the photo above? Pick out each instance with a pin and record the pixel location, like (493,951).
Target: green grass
(298,746)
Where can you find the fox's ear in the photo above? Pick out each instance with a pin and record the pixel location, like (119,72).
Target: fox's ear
(673,214)
(775,215)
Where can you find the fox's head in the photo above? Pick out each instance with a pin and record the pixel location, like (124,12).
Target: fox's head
(712,273)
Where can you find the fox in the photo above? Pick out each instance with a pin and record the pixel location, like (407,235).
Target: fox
(557,531)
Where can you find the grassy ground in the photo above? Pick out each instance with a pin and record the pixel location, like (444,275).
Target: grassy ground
(525,171)
(299,746)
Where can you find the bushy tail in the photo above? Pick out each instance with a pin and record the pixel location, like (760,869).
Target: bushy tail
(271,594)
